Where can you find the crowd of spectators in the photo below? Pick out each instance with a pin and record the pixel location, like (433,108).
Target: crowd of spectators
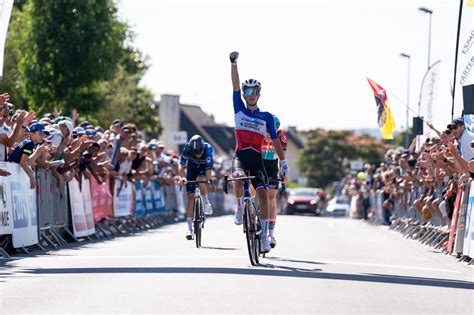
(72,149)
(424,179)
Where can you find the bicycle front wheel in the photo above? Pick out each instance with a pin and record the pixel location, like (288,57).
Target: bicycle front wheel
(250,234)
(197,221)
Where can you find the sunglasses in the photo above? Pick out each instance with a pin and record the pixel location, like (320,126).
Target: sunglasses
(249,92)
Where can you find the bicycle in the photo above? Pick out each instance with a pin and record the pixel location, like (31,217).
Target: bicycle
(252,226)
(199,217)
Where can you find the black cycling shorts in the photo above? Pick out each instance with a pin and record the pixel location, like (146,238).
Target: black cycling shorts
(271,167)
(251,161)
(193,171)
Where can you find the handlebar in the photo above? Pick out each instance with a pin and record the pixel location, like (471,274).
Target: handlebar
(195,182)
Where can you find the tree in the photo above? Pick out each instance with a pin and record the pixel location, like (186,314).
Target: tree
(66,49)
(128,101)
(77,54)
(327,154)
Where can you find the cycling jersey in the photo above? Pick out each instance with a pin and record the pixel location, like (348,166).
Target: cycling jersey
(269,152)
(205,160)
(251,126)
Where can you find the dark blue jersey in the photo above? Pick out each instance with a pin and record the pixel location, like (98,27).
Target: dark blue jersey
(207,159)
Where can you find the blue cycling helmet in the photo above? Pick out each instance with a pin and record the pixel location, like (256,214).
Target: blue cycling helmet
(196,145)
(277,122)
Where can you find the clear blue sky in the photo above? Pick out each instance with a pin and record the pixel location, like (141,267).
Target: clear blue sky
(312,57)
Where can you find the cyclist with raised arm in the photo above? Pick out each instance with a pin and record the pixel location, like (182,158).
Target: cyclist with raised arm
(270,160)
(251,126)
(197,158)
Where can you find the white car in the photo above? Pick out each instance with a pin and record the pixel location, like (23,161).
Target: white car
(338,206)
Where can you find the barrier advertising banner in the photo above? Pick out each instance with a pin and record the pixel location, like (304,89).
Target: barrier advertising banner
(101,200)
(139,204)
(122,199)
(461,224)
(148,199)
(77,210)
(454,220)
(5,211)
(23,207)
(158,196)
(468,246)
(87,201)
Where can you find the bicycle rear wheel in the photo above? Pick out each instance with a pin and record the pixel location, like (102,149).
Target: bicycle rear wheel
(250,234)
(197,221)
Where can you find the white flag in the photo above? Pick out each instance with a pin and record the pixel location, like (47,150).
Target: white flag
(5,11)
(464,82)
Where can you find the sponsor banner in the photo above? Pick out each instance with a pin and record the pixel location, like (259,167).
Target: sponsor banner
(101,200)
(23,207)
(139,203)
(179,200)
(122,198)
(77,210)
(87,201)
(468,246)
(158,196)
(464,67)
(5,210)
(148,199)
(458,242)
(454,220)
(428,91)
(6,7)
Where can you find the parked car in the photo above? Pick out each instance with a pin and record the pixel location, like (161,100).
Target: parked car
(338,206)
(303,200)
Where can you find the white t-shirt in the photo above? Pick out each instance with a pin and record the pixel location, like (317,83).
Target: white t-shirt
(3,148)
(467,152)
(125,167)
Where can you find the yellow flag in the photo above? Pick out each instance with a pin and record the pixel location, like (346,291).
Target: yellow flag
(389,123)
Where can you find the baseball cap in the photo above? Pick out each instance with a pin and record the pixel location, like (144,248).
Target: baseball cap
(90,132)
(37,127)
(160,144)
(79,130)
(456,122)
(117,122)
(152,146)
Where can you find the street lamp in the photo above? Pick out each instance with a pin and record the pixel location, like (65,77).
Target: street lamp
(407,57)
(430,12)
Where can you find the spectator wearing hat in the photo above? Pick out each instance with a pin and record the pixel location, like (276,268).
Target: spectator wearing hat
(464,138)
(25,153)
(8,135)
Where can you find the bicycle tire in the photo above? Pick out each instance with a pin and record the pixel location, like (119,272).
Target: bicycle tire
(197,221)
(256,229)
(249,233)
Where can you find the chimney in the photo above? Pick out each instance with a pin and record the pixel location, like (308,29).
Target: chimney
(169,113)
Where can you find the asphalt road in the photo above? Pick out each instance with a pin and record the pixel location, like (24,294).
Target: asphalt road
(321,265)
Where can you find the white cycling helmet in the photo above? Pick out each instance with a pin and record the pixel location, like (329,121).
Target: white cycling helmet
(251,83)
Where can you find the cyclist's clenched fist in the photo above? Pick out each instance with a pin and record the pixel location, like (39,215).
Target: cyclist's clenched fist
(233,57)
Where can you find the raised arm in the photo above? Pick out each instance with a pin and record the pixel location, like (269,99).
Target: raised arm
(234,71)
